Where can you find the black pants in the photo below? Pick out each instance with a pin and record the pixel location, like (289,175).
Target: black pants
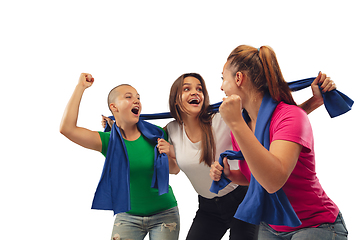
(215,216)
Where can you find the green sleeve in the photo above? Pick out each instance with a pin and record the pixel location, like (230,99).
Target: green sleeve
(105,137)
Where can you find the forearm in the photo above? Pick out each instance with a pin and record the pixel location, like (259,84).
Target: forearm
(238,178)
(267,169)
(68,126)
(173,167)
(70,116)
(311,104)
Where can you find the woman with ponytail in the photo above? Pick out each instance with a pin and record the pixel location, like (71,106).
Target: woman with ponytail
(250,77)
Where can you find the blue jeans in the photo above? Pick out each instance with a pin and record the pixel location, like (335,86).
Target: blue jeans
(334,231)
(161,226)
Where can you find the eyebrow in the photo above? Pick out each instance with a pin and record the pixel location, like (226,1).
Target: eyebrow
(190,84)
(131,93)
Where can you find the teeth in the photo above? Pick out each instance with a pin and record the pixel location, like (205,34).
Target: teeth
(194,101)
(135,109)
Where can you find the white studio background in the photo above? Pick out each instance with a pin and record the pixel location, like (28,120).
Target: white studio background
(47,182)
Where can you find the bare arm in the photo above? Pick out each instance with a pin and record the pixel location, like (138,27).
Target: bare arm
(316,100)
(271,168)
(166,147)
(68,126)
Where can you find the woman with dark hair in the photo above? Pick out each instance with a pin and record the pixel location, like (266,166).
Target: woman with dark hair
(250,77)
(198,137)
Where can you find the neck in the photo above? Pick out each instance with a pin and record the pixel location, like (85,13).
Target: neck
(192,127)
(190,121)
(252,106)
(130,130)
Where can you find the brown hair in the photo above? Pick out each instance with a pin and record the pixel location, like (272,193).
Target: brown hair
(176,107)
(263,69)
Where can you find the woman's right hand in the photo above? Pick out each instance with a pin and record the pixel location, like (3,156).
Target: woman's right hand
(86,80)
(109,121)
(216,170)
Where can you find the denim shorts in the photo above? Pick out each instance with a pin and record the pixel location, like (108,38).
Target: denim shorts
(161,226)
(335,231)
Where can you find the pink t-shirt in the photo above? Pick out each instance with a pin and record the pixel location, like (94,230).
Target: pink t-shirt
(303,189)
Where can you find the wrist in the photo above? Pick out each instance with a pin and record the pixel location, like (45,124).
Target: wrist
(229,175)
(318,100)
(80,87)
(237,125)
(315,102)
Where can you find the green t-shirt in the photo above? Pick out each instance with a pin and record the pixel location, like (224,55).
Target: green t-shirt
(144,199)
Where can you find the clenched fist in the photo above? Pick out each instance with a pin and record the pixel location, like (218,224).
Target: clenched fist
(86,80)
(230,109)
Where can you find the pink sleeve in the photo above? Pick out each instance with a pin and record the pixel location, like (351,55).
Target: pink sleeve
(288,123)
(234,143)
(291,123)
(242,164)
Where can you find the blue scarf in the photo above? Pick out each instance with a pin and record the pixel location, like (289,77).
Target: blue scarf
(336,103)
(113,191)
(258,205)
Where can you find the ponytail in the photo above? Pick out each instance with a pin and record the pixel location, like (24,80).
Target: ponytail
(263,69)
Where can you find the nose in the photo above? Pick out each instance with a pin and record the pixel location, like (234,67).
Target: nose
(194,92)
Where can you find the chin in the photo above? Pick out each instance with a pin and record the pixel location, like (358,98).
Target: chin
(134,119)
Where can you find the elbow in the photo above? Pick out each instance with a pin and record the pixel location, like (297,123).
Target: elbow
(64,130)
(273,183)
(175,171)
(63,127)
(273,188)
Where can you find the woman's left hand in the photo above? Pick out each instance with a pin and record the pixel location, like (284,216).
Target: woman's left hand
(230,109)
(326,85)
(109,121)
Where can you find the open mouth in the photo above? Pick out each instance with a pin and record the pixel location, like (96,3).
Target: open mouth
(194,101)
(135,110)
